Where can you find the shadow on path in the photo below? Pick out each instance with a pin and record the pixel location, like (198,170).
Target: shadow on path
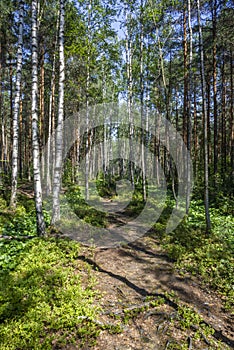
(143,292)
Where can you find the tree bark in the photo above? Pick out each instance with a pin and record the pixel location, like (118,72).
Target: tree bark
(185,51)
(143,126)
(188,189)
(60,123)
(214,34)
(35,131)
(205,123)
(15,125)
(50,143)
(232,119)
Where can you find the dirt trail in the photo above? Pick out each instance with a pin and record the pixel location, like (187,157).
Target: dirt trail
(128,275)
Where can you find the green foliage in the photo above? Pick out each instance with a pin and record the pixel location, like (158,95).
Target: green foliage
(19,224)
(3,203)
(45,303)
(82,209)
(209,256)
(106,186)
(9,254)
(22,223)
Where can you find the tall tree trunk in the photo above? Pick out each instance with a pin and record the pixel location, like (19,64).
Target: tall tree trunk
(1,114)
(15,125)
(223,124)
(21,139)
(35,131)
(195,133)
(185,51)
(42,106)
(205,122)
(129,55)
(143,126)
(50,143)
(60,123)
(87,160)
(208,98)
(215,113)
(232,119)
(189,123)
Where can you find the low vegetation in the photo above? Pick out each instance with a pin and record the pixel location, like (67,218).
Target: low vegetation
(209,256)
(47,295)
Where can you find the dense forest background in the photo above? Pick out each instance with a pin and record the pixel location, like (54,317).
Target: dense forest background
(173,58)
(168,58)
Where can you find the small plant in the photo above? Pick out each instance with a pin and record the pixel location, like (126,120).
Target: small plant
(44,302)
(209,256)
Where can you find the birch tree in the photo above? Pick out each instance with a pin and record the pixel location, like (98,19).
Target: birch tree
(35,131)
(50,142)
(15,123)
(59,129)
(129,66)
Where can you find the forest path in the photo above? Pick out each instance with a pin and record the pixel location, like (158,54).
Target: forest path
(127,275)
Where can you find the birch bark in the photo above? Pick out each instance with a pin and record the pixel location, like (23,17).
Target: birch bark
(60,123)
(35,130)
(15,124)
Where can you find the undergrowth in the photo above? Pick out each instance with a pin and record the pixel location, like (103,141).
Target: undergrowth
(46,300)
(207,255)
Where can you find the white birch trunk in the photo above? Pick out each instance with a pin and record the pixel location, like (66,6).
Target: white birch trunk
(35,131)
(129,54)
(15,126)
(143,155)
(50,142)
(59,129)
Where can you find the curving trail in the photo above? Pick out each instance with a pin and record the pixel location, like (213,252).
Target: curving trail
(127,275)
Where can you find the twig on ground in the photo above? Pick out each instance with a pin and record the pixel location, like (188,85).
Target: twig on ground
(17,238)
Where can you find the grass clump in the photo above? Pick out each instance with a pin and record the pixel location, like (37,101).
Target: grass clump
(207,255)
(44,301)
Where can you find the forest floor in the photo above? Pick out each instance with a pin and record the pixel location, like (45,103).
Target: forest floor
(155,305)
(148,303)
(130,277)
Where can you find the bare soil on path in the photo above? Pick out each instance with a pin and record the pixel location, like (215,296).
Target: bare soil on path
(129,277)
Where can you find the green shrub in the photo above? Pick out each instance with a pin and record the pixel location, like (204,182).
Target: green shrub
(209,256)
(44,302)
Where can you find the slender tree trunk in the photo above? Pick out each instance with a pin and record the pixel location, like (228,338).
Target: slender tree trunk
(215,113)
(205,121)
(223,125)
(21,139)
(143,127)
(29,146)
(129,54)
(15,125)
(2,155)
(208,120)
(42,107)
(189,123)
(50,142)
(232,119)
(185,50)
(87,160)
(35,131)
(195,133)
(59,129)
(11,104)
